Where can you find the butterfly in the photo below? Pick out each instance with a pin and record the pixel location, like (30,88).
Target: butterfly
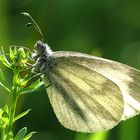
(87,93)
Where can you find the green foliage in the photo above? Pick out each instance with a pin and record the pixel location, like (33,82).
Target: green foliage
(22,84)
(3,81)
(27,137)
(21,134)
(110,27)
(4,117)
(3,58)
(22,114)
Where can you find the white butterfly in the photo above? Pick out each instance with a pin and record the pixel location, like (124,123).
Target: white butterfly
(88,93)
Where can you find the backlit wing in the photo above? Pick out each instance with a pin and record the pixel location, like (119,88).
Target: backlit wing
(82,98)
(126,77)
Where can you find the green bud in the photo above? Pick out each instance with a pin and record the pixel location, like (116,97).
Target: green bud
(19,56)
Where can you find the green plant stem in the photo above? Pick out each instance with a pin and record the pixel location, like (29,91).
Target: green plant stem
(12,113)
(13,104)
(2,133)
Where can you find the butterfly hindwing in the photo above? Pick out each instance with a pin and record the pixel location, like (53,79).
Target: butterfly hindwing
(83,99)
(126,77)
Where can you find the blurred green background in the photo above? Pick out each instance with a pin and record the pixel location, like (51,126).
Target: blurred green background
(106,28)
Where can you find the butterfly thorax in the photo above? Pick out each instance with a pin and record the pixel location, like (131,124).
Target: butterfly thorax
(42,57)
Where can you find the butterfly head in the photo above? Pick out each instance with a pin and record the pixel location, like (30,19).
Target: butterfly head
(41,49)
(42,57)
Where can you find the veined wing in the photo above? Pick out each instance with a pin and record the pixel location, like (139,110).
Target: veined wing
(83,99)
(126,77)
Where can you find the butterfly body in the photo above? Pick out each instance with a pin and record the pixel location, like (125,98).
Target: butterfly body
(43,59)
(88,93)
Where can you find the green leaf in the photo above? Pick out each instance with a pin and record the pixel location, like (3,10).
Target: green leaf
(3,58)
(25,80)
(5,108)
(5,118)
(5,87)
(29,136)
(5,115)
(11,54)
(2,78)
(21,133)
(33,87)
(3,81)
(15,50)
(22,114)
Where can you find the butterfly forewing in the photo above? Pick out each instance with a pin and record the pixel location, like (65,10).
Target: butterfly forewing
(127,78)
(82,98)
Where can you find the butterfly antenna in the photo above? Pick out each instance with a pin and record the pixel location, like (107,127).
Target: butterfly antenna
(33,23)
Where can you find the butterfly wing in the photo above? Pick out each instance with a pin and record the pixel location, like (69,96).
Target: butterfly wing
(126,77)
(82,98)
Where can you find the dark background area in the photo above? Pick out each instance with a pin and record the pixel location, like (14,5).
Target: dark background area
(106,28)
